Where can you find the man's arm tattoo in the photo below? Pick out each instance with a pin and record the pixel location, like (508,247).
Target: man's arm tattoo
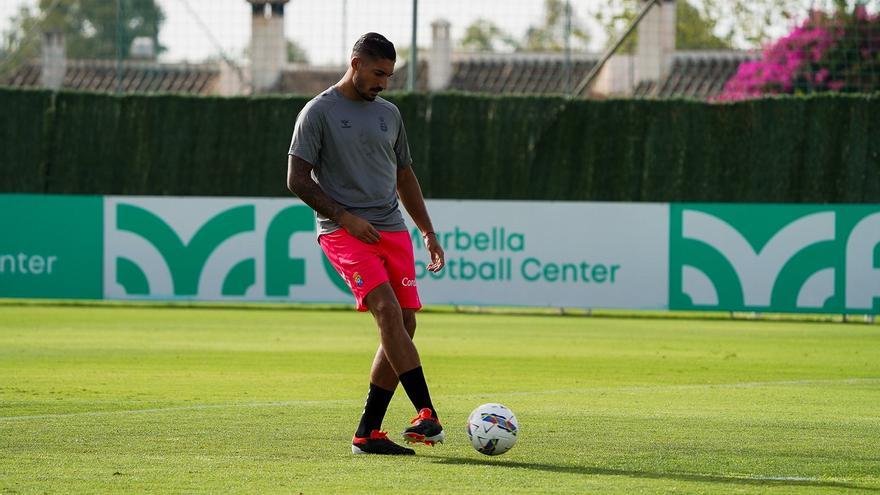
(311,193)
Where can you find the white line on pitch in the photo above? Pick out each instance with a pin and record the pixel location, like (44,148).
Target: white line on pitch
(635,388)
(642,388)
(778,478)
(197,407)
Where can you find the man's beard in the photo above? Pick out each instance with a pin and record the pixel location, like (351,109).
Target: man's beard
(366,94)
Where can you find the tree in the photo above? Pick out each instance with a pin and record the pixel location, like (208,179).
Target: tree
(751,24)
(694,30)
(550,36)
(484,36)
(296,53)
(21,40)
(91,28)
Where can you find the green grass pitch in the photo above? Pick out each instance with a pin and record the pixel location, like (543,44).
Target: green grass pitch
(170,400)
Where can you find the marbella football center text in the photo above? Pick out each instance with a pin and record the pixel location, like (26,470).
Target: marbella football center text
(499,255)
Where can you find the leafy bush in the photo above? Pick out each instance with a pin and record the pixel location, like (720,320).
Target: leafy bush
(827,52)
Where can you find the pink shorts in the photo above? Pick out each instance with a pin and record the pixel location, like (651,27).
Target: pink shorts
(365,266)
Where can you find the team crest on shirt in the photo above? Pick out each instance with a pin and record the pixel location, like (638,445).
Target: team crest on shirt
(358,280)
(346,124)
(382,124)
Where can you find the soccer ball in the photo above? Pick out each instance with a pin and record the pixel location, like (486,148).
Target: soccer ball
(492,429)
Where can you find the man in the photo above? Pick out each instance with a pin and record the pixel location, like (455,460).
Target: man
(349,160)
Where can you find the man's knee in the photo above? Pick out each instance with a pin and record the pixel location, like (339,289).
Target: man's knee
(386,309)
(382,303)
(409,321)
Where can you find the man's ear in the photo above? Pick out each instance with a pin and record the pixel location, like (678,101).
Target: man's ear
(356,62)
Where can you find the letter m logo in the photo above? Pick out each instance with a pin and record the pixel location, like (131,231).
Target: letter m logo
(739,257)
(161,248)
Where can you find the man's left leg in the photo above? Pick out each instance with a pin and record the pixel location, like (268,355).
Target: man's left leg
(382,374)
(383,382)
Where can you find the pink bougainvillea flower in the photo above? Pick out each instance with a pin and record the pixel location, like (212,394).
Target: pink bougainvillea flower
(812,57)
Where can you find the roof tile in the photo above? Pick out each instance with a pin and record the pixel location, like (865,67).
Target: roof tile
(136,76)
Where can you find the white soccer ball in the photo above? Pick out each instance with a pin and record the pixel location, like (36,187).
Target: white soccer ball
(492,429)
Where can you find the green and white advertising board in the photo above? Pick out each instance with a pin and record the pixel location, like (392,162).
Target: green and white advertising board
(213,249)
(730,257)
(512,253)
(50,246)
(775,258)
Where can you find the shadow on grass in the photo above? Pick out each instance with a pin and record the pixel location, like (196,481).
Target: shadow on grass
(696,477)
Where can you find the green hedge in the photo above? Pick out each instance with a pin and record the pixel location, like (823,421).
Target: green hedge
(795,149)
(25,118)
(171,145)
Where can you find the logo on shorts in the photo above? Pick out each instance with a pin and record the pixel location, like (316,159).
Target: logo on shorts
(382,124)
(358,280)
(346,124)
(408,282)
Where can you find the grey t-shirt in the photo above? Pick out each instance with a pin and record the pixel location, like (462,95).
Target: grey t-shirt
(356,149)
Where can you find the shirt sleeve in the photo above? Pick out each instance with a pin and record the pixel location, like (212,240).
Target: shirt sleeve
(307,136)
(401,147)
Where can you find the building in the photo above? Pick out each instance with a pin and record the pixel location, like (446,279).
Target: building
(656,69)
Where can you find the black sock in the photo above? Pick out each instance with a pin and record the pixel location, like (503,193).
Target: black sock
(413,382)
(374,410)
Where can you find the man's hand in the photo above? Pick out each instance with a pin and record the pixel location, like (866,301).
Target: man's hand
(358,227)
(434,248)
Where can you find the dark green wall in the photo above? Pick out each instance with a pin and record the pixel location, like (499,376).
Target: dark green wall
(25,125)
(795,149)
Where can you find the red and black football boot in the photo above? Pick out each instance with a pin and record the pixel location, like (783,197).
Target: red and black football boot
(378,443)
(425,429)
